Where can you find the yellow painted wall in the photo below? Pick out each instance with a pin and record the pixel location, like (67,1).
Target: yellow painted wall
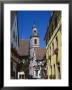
(57,33)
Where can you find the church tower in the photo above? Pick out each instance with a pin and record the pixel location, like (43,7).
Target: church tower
(34,39)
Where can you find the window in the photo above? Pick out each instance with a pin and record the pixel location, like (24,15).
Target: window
(56,21)
(19,76)
(36,72)
(52,47)
(51,69)
(56,41)
(13,34)
(11,67)
(34,31)
(56,58)
(16,39)
(35,41)
(33,54)
(60,30)
(52,28)
(59,73)
(46,41)
(15,23)
(59,15)
(54,71)
(49,35)
(11,45)
(22,76)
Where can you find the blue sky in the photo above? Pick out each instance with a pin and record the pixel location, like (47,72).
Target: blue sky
(26,19)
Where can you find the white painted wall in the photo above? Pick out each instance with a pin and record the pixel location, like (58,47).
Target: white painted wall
(32,44)
(21,73)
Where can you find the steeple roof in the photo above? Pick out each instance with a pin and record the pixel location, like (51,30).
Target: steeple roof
(34,32)
(34,26)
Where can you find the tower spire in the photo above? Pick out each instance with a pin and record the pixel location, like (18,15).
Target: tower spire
(34,25)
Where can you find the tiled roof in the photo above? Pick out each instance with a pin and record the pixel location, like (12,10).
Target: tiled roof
(24,47)
(40,53)
(14,52)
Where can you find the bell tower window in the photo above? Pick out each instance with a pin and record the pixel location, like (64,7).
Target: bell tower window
(35,41)
(34,31)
